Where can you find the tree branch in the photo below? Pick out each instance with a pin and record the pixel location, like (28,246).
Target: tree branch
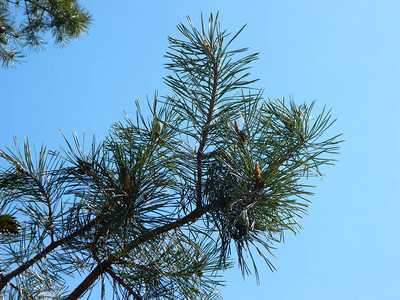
(46,196)
(122,283)
(88,281)
(205,132)
(102,268)
(5,279)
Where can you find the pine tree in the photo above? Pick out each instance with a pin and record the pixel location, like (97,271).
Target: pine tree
(156,207)
(23,25)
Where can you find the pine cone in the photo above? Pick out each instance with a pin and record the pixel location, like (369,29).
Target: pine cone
(259,184)
(243,136)
(159,127)
(257,172)
(127,185)
(237,129)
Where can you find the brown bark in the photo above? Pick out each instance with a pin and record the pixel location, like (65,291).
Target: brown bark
(89,280)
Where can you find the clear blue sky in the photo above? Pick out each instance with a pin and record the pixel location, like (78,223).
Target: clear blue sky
(345,54)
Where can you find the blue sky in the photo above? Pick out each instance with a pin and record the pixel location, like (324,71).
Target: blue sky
(344,54)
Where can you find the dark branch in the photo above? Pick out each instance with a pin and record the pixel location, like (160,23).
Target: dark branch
(101,268)
(205,132)
(5,279)
(85,284)
(122,283)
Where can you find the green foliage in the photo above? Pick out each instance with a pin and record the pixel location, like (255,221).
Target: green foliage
(8,225)
(23,24)
(156,207)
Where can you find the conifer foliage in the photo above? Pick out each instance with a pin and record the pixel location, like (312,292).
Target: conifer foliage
(23,25)
(155,210)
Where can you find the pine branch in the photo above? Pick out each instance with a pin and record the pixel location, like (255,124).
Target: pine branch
(89,280)
(101,268)
(206,129)
(23,25)
(123,284)
(46,196)
(6,278)
(150,180)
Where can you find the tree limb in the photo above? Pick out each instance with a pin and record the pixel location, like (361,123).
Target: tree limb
(122,283)
(101,268)
(5,279)
(205,131)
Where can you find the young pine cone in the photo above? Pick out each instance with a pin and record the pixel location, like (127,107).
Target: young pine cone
(157,129)
(237,129)
(259,184)
(207,45)
(257,172)
(127,185)
(243,136)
